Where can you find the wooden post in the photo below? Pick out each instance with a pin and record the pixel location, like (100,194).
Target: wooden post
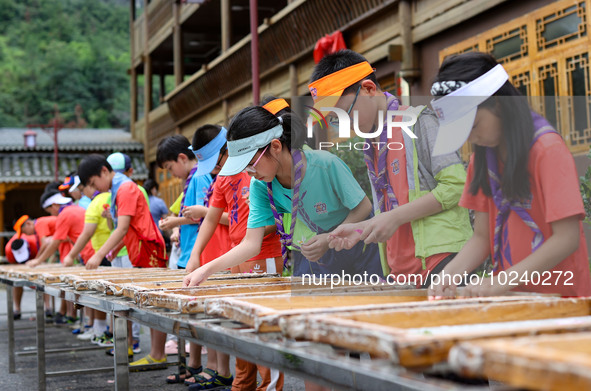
(225,111)
(132,73)
(293,81)
(2,198)
(147,82)
(177,44)
(162,78)
(226,12)
(133,93)
(407,68)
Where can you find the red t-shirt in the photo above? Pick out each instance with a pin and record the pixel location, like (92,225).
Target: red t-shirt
(231,192)
(555,196)
(31,239)
(142,229)
(44,227)
(68,227)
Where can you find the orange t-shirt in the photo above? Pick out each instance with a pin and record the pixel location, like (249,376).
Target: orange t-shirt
(68,227)
(231,192)
(554,186)
(131,202)
(400,248)
(31,239)
(44,227)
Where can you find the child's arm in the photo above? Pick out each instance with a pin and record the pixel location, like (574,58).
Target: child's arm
(116,237)
(473,254)
(197,212)
(174,221)
(563,242)
(49,250)
(89,229)
(205,233)
(248,248)
(317,246)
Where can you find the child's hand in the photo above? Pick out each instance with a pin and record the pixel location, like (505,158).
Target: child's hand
(346,236)
(106,213)
(93,262)
(68,261)
(194,212)
(195,278)
(175,236)
(33,262)
(315,248)
(168,223)
(380,228)
(442,291)
(489,286)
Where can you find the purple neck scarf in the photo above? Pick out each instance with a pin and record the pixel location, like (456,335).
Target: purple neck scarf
(379,179)
(505,206)
(286,238)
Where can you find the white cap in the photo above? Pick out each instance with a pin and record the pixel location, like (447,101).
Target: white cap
(457,110)
(57,198)
(20,250)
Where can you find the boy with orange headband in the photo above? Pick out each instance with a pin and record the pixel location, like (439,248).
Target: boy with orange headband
(415,194)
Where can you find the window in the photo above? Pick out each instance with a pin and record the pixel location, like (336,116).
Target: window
(546,54)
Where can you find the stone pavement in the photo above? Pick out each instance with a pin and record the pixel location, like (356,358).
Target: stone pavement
(25,377)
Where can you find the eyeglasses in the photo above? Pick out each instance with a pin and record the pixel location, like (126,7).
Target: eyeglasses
(334,121)
(222,151)
(252,167)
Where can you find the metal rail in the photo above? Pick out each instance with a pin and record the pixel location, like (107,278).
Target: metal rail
(314,361)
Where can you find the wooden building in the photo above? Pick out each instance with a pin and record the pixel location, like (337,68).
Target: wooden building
(191,62)
(24,172)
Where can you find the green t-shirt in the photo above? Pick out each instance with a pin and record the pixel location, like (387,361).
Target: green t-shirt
(328,193)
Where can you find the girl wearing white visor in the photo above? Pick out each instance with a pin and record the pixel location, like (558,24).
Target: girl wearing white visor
(522,185)
(319,185)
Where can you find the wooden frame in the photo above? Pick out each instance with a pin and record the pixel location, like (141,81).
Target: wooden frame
(546,362)
(423,335)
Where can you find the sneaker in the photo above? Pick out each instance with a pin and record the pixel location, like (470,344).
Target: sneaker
(106,340)
(76,325)
(217,382)
(111,352)
(59,318)
(95,339)
(87,335)
(71,321)
(16,315)
(81,330)
(136,347)
(148,360)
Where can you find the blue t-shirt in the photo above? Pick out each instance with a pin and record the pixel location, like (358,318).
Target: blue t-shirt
(196,192)
(328,193)
(157,208)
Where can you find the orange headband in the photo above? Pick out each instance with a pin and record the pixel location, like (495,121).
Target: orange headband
(335,83)
(19,225)
(276,105)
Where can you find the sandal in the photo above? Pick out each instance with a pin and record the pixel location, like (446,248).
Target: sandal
(217,382)
(16,315)
(197,378)
(189,372)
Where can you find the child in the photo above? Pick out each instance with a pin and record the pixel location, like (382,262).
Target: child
(71,187)
(230,193)
(20,249)
(134,226)
(267,147)
(175,155)
(416,194)
(522,185)
(68,227)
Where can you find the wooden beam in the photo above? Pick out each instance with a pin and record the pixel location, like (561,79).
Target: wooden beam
(293,81)
(177,45)
(226,12)
(147,84)
(133,95)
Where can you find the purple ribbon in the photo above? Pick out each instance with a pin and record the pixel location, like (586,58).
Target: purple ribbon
(379,177)
(505,206)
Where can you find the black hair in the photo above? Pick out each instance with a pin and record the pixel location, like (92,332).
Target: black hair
(53,186)
(204,134)
(254,120)
(514,113)
(341,60)
(268,98)
(149,184)
(169,149)
(16,244)
(92,165)
(46,194)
